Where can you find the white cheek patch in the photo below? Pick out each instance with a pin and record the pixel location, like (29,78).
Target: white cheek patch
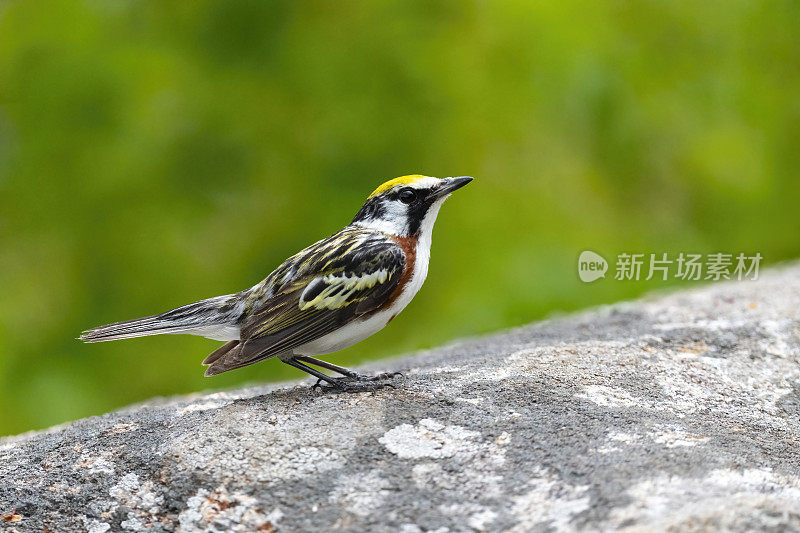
(393,220)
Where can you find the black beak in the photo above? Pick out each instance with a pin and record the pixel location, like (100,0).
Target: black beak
(451,184)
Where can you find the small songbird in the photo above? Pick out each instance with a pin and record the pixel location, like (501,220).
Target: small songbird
(329,296)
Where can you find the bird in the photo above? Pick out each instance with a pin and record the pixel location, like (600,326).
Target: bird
(327,297)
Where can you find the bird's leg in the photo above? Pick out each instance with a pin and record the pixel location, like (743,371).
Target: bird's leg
(330,366)
(316,373)
(346,371)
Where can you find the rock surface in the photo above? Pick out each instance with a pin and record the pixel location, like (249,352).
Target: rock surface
(681,411)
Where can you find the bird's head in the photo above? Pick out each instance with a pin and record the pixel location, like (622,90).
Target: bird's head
(408,205)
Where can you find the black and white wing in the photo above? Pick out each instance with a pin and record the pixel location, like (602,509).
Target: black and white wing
(335,281)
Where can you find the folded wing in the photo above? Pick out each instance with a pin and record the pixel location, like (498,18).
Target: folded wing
(353,282)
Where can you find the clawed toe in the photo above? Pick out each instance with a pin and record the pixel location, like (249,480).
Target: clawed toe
(334,384)
(351,382)
(378,377)
(344,383)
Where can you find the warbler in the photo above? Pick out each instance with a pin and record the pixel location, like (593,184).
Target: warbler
(331,295)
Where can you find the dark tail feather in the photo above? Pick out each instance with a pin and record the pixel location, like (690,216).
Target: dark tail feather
(199,318)
(219,352)
(140,327)
(224,359)
(230,357)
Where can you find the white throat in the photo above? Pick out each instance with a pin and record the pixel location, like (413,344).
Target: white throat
(426,228)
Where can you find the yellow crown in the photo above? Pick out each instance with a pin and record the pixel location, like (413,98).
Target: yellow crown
(391,184)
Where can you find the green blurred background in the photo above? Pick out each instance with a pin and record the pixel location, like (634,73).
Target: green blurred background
(156,153)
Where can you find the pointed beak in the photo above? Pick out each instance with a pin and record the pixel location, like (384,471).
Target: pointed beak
(451,184)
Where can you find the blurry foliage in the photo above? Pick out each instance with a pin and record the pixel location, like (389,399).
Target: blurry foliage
(156,153)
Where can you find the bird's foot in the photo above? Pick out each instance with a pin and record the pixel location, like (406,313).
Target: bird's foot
(377,377)
(356,382)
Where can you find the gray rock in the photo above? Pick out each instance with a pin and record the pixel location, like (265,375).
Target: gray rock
(681,411)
